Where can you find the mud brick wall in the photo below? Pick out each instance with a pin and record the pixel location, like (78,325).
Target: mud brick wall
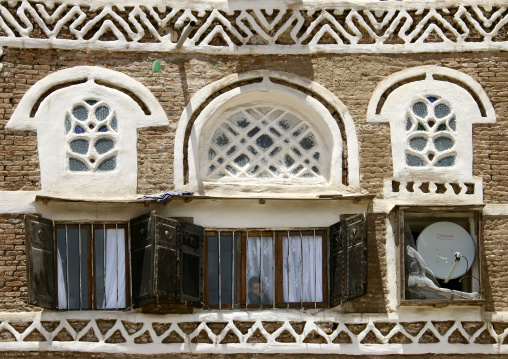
(495,237)
(352,78)
(13,276)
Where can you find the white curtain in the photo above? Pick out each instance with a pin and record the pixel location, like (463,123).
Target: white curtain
(115,269)
(260,264)
(62,292)
(302,269)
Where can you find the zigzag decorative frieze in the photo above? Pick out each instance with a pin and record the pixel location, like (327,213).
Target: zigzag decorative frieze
(366,27)
(227,333)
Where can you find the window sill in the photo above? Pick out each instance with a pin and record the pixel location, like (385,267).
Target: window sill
(442,303)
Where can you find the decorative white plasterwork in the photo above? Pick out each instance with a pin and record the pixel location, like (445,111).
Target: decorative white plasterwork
(46,105)
(268,27)
(266,86)
(451,330)
(391,102)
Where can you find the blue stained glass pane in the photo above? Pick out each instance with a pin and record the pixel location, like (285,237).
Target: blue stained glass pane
(68,124)
(308,142)
(231,169)
(443,143)
(242,160)
(442,110)
(409,123)
(447,161)
(453,124)
(80,112)
(264,141)
(76,165)
(211,154)
(315,169)
(79,129)
(79,146)
(432,99)
(103,128)
(103,145)
(420,109)
(114,124)
(109,164)
(414,161)
(418,143)
(101,113)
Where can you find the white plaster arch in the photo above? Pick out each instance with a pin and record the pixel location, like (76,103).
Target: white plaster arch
(44,108)
(395,95)
(267,86)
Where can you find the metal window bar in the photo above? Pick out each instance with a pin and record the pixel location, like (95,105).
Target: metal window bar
(260,269)
(117,259)
(247,275)
(105,300)
(233,243)
(287,271)
(315,271)
(272,269)
(220,289)
(79,267)
(67,264)
(92,253)
(301,270)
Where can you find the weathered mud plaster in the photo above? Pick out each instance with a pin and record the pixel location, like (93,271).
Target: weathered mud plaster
(246,27)
(48,119)
(267,90)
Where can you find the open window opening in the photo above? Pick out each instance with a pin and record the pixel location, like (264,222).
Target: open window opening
(263,269)
(92,266)
(441,255)
(88,266)
(298,268)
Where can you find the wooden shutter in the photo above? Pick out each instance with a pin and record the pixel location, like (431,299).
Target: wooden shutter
(191,239)
(142,259)
(41,259)
(166,261)
(348,259)
(166,258)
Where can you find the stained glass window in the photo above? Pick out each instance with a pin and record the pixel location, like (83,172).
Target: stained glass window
(265,142)
(430,133)
(91,129)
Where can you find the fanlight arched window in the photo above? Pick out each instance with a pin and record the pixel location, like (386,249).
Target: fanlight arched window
(266,132)
(263,141)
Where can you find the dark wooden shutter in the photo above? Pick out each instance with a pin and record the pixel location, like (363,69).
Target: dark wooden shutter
(142,259)
(166,258)
(166,261)
(348,259)
(191,239)
(41,259)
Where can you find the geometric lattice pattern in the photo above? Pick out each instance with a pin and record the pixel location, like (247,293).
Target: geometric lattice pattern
(264,142)
(91,133)
(430,133)
(240,29)
(157,332)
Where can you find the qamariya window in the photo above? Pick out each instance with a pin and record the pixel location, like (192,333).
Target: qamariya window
(92,132)
(86,120)
(268,132)
(431,111)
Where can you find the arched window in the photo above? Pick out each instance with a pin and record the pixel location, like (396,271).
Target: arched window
(268,131)
(86,120)
(431,111)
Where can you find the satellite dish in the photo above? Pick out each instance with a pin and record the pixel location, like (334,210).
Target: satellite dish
(438,244)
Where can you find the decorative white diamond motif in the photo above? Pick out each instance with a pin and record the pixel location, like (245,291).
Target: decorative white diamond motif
(263,141)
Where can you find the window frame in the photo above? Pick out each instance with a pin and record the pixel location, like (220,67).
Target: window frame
(92,287)
(474,214)
(241,259)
